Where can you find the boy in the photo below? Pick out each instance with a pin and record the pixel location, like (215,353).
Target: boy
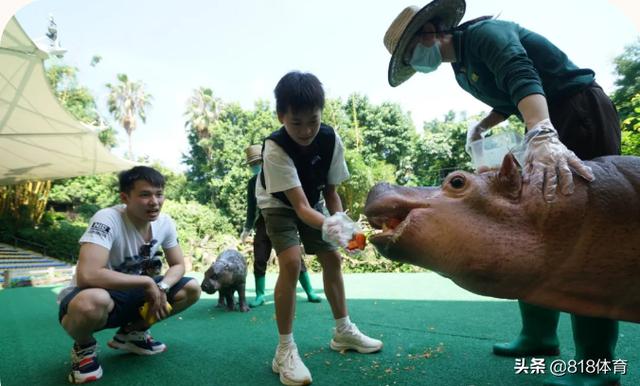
(110,286)
(261,243)
(301,160)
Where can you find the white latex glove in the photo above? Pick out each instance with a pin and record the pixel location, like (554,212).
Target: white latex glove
(547,161)
(474,133)
(338,229)
(245,235)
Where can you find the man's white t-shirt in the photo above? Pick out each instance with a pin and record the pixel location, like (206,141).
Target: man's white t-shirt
(280,173)
(112,229)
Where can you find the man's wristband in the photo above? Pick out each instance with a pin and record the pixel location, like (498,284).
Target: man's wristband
(164,287)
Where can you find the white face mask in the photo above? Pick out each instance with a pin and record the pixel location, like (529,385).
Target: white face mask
(426,59)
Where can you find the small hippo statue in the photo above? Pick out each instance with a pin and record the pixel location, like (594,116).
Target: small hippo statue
(494,234)
(227,275)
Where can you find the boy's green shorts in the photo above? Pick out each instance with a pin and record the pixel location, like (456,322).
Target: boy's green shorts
(284,226)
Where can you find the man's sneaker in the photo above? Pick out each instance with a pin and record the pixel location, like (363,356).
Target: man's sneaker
(84,364)
(288,364)
(352,339)
(137,342)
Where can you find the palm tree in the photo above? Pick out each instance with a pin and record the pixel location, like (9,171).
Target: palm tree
(128,100)
(203,109)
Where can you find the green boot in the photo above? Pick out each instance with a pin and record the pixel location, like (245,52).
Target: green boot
(538,335)
(259,292)
(305,282)
(595,340)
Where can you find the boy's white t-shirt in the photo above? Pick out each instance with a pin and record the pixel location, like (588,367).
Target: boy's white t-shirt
(112,229)
(280,173)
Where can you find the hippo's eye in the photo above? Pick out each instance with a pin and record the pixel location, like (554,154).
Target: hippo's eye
(457,182)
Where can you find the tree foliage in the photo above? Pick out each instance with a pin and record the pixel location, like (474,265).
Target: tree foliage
(79,101)
(631,128)
(382,133)
(627,69)
(85,194)
(217,171)
(127,102)
(353,192)
(202,111)
(626,97)
(441,150)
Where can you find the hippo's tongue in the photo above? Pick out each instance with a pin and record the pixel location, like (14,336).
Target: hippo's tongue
(389,222)
(389,230)
(386,225)
(378,222)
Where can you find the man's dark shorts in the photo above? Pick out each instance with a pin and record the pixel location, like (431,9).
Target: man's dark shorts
(126,303)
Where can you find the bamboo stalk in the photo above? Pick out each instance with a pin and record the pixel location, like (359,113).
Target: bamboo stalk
(25,201)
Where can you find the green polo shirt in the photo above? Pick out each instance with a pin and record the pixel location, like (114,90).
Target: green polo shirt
(499,63)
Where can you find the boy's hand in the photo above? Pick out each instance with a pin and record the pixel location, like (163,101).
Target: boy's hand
(338,229)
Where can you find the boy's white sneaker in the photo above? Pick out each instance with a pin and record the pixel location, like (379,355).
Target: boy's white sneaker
(288,364)
(352,339)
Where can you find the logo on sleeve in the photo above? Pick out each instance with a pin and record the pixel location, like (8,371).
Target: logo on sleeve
(99,229)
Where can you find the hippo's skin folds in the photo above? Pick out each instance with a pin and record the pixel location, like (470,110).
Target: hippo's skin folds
(493,234)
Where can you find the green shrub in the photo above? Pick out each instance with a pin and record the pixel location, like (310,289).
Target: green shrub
(58,235)
(86,211)
(203,232)
(99,190)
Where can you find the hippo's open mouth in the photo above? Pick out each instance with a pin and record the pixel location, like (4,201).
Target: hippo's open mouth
(390,209)
(389,226)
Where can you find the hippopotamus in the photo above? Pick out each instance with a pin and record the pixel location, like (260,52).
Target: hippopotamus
(227,275)
(494,234)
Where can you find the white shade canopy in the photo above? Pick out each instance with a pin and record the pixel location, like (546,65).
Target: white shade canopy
(39,139)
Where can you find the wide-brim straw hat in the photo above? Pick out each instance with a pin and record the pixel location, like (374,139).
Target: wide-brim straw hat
(405,26)
(254,153)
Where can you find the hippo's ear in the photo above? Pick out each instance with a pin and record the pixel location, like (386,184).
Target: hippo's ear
(509,177)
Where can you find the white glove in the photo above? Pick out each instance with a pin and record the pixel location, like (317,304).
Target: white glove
(245,235)
(339,229)
(474,132)
(547,161)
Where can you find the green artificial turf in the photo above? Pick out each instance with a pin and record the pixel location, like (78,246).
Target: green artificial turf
(434,334)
